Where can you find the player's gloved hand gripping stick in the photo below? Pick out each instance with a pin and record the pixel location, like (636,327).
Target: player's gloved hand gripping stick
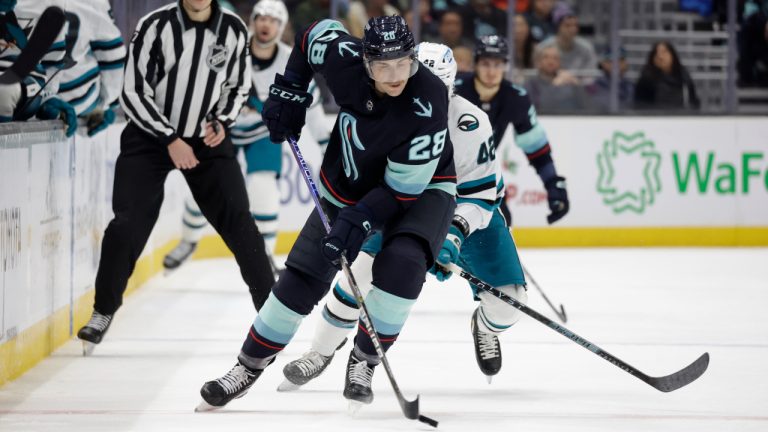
(410,408)
(285,110)
(667,383)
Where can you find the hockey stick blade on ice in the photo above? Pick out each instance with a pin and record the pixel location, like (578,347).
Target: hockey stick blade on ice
(561,312)
(410,408)
(667,383)
(44,34)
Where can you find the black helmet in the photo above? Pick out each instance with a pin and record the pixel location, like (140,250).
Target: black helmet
(491,46)
(386,38)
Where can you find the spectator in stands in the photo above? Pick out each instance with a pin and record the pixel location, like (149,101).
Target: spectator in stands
(450,30)
(482,19)
(576,53)
(428,28)
(464,58)
(539,19)
(600,90)
(361,11)
(753,46)
(664,82)
(307,12)
(440,6)
(554,90)
(524,44)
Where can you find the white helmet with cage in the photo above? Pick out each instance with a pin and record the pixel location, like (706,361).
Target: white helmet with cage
(438,58)
(275,9)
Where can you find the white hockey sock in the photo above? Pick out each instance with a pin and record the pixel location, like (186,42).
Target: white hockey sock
(194,222)
(339,317)
(494,316)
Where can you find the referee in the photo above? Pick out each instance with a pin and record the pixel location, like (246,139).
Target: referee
(186,77)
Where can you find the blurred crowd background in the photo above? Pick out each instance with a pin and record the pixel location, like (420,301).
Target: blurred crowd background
(672,55)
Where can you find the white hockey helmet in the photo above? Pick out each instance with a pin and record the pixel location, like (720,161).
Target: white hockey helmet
(438,58)
(272,8)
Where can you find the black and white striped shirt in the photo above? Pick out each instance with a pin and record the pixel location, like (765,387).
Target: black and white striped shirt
(178,71)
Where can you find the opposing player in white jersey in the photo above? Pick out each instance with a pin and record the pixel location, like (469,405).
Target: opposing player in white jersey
(93,84)
(478,241)
(263,158)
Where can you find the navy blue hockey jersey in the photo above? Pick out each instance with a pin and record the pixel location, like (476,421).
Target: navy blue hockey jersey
(510,105)
(399,143)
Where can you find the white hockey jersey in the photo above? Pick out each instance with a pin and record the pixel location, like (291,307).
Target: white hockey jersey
(19,26)
(96,79)
(249,128)
(479,188)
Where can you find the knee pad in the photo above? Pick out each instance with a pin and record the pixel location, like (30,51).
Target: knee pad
(400,267)
(495,315)
(10,96)
(298,291)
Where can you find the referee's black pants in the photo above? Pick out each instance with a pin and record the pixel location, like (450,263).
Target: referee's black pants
(218,187)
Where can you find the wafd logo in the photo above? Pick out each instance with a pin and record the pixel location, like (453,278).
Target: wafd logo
(628,172)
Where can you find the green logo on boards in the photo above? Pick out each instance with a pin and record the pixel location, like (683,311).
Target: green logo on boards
(628,177)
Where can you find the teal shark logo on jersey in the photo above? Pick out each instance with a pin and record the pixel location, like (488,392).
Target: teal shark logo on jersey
(468,122)
(635,155)
(344,46)
(425,111)
(348,131)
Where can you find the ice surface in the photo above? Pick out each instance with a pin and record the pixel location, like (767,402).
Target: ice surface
(657,309)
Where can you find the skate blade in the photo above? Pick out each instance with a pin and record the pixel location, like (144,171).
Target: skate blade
(287,386)
(489,378)
(205,407)
(354,407)
(88,348)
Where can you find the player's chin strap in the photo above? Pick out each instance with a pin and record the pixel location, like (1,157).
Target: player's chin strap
(410,408)
(667,383)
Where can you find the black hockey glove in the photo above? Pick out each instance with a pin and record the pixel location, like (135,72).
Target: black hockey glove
(558,199)
(349,230)
(285,110)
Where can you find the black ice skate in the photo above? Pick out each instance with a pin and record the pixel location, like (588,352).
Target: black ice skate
(92,333)
(233,385)
(305,369)
(487,350)
(179,255)
(357,385)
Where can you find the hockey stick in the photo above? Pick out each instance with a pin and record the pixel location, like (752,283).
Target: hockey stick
(410,408)
(44,34)
(667,383)
(560,313)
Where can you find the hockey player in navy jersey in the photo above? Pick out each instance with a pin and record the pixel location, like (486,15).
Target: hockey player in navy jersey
(478,241)
(507,103)
(388,166)
(263,159)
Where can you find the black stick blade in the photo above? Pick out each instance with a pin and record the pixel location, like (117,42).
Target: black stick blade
(682,377)
(563,316)
(427,420)
(410,408)
(43,35)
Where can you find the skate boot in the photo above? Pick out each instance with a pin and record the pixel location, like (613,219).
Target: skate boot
(92,333)
(357,385)
(487,350)
(305,369)
(233,385)
(179,255)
